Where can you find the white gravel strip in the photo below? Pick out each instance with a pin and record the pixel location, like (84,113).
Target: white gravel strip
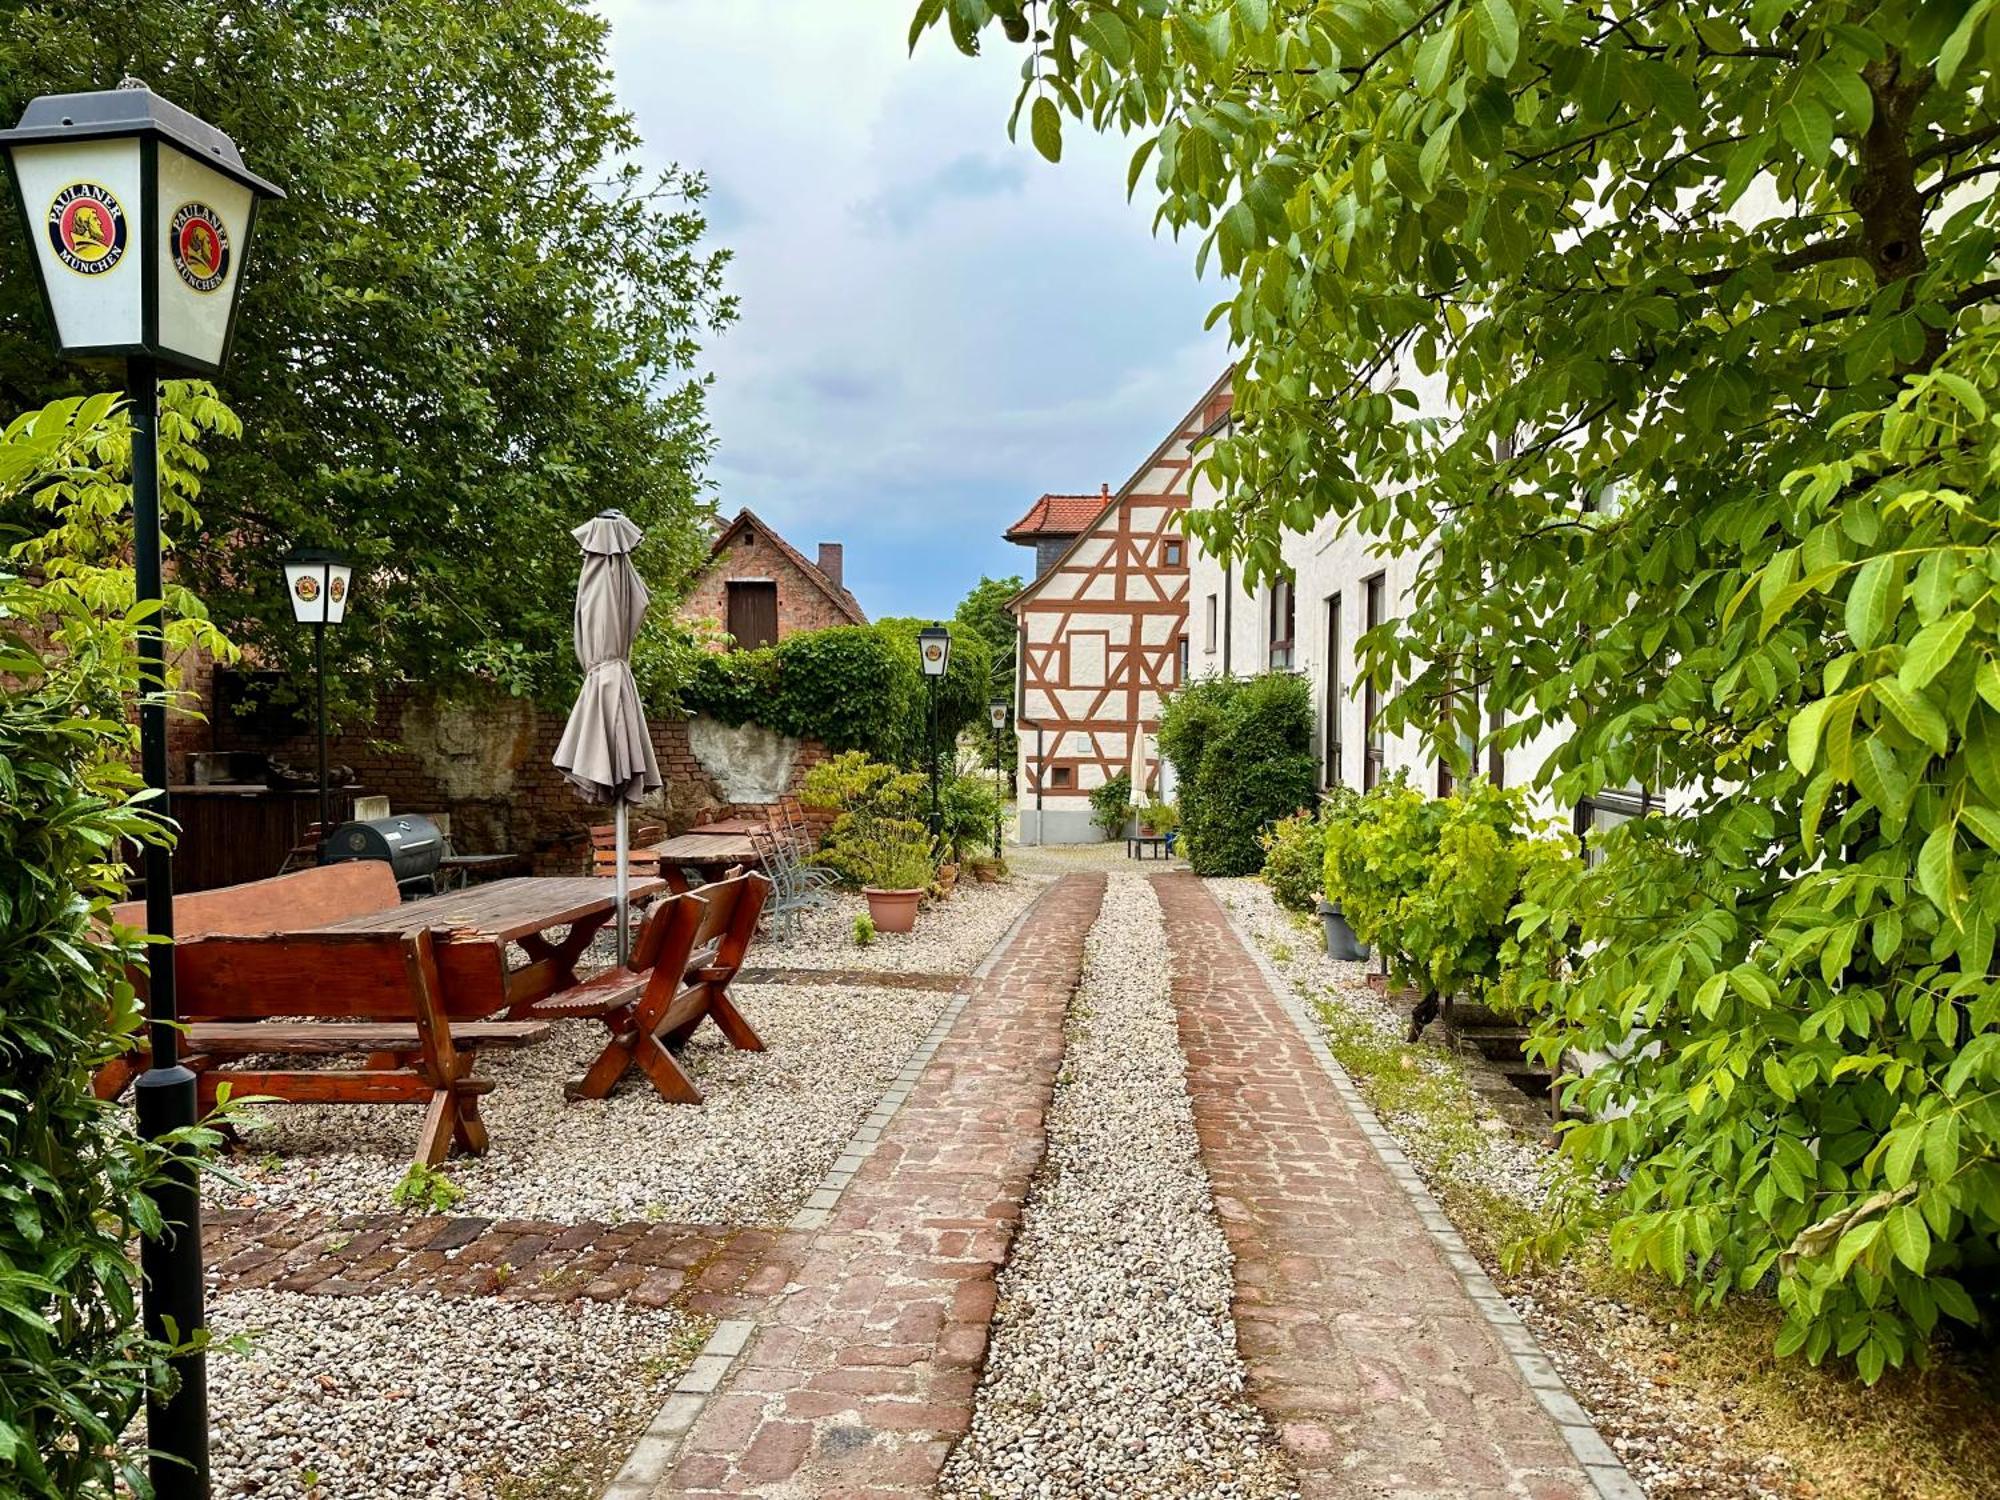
(951,936)
(419,1398)
(771,1123)
(1113,1367)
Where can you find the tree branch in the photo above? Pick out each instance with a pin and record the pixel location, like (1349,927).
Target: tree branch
(1951,145)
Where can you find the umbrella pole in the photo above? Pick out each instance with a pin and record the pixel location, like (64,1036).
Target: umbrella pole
(624,889)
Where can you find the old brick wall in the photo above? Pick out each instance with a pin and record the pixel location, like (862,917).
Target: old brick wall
(802,604)
(488,761)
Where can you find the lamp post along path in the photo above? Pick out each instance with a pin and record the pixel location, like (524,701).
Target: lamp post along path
(318,583)
(138,218)
(934,656)
(997,712)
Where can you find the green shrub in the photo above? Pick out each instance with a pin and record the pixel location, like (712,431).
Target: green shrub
(969,807)
(1430,882)
(75,1182)
(1111,804)
(1158,816)
(864,929)
(878,835)
(1243,749)
(1295,861)
(850,687)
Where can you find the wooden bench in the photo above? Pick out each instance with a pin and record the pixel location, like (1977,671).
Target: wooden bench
(639,859)
(689,950)
(372,994)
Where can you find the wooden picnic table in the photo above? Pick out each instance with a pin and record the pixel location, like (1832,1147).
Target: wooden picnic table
(731,825)
(472,928)
(713,854)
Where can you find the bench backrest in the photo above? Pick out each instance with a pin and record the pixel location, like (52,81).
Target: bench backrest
(304,898)
(327,975)
(730,921)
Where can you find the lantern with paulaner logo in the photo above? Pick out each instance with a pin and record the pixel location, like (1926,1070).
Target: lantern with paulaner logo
(139,217)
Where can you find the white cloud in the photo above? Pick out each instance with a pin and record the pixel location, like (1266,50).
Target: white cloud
(937,325)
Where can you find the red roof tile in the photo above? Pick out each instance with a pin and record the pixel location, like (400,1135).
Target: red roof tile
(1060,515)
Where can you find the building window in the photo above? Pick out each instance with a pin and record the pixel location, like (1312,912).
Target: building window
(1208,624)
(1284,625)
(1058,776)
(1173,552)
(753,612)
(1332,690)
(1605,811)
(1373,594)
(1180,661)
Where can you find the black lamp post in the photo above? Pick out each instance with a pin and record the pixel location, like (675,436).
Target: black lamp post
(997,712)
(138,217)
(934,655)
(318,583)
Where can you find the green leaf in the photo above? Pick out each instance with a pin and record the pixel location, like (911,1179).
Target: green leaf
(1434,60)
(1855,1243)
(1503,30)
(1909,1237)
(1873,599)
(1805,123)
(1045,126)
(1802,735)
(1933,648)
(1914,712)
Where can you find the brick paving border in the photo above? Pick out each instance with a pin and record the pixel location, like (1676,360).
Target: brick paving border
(865,1368)
(1303,1334)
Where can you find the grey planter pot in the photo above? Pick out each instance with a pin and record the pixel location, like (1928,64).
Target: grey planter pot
(1340,940)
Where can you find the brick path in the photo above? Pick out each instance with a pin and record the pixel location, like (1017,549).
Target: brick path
(706,1269)
(1380,1374)
(862,1374)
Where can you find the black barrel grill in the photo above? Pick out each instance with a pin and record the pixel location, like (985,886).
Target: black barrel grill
(408,843)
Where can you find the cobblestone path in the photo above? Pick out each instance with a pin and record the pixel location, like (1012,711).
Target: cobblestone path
(859,1376)
(1369,1333)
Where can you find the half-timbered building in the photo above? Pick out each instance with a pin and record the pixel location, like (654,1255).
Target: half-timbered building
(1104,636)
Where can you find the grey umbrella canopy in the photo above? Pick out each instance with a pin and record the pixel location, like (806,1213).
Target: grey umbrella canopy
(606,751)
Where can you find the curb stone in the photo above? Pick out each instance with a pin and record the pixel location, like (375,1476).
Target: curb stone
(1605,1470)
(652,1456)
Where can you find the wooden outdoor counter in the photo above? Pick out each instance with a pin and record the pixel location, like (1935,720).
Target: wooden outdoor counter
(232,832)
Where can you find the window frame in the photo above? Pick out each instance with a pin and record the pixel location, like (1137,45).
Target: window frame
(1331,747)
(1374,600)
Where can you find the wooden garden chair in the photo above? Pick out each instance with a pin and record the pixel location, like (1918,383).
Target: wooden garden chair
(689,951)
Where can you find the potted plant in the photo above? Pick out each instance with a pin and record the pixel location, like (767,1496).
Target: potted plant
(1341,810)
(896,869)
(1157,819)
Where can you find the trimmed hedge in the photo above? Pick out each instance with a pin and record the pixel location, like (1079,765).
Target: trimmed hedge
(851,687)
(1243,751)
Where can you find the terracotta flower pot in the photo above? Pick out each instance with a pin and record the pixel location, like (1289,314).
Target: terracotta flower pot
(947,879)
(892,911)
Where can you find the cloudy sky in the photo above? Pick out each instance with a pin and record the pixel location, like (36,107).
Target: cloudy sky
(937,325)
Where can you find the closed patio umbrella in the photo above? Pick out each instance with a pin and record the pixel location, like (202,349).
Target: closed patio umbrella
(606,751)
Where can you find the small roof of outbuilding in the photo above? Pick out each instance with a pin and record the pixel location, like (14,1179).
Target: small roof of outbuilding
(1058,516)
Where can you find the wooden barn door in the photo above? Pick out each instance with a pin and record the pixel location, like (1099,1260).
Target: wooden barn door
(753,613)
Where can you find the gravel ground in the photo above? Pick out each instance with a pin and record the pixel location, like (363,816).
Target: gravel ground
(1676,1440)
(951,937)
(1113,1367)
(418,1398)
(772,1123)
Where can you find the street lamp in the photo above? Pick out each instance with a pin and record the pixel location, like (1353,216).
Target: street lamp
(997,712)
(934,655)
(138,216)
(318,583)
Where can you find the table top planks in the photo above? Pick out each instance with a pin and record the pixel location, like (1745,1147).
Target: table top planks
(703,848)
(506,910)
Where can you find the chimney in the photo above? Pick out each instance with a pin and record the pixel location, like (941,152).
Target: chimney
(1105,492)
(829,561)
